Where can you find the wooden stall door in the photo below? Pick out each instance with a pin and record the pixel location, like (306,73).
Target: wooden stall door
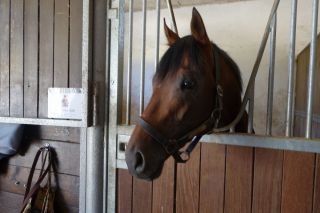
(40,47)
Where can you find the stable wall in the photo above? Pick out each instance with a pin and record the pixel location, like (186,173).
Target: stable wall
(237,28)
(40,47)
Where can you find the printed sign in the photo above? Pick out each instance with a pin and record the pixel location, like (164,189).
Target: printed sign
(65,103)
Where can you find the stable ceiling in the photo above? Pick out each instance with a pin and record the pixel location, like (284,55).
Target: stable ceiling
(151,4)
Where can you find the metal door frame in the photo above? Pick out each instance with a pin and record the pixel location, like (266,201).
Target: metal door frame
(119,134)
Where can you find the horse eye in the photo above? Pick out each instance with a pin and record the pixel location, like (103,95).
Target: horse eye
(187,84)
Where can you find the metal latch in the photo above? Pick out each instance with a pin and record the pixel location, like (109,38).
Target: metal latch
(122,143)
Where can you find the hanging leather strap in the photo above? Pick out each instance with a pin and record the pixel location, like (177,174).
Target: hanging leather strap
(32,191)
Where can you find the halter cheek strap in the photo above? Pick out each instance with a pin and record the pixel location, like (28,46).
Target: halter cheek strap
(173,146)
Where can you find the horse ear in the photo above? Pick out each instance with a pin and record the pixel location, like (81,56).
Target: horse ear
(172,37)
(198,29)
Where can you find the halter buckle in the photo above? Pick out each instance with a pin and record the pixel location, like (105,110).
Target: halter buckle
(185,156)
(219,90)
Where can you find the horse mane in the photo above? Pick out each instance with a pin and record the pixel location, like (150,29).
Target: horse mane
(235,69)
(172,58)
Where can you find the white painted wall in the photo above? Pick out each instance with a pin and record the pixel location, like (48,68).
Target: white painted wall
(237,28)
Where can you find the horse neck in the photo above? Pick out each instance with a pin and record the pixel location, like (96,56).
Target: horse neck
(231,93)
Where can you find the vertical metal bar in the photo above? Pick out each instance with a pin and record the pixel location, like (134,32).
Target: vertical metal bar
(291,69)
(169,5)
(254,70)
(116,69)
(157,35)
(129,63)
(85,66)
(106,138)
(83,170)
(312,67)
(271,74)
(251,108)
(143,55)
(94,192)
(86,58)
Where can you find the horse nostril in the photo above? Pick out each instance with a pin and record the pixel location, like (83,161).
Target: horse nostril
(139,165)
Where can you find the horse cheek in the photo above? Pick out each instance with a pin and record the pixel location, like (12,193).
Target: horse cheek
(181,112)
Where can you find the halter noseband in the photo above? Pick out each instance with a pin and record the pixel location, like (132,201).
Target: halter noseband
(173,146)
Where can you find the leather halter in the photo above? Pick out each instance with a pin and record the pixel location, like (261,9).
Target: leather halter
(173,146)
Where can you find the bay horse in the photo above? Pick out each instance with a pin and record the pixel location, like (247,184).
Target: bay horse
(196,87)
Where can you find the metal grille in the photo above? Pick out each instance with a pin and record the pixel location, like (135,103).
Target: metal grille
(122,110)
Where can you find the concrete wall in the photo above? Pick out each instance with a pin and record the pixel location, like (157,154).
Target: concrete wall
(237,28)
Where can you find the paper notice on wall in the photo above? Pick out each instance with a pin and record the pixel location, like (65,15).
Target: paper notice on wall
(65,103)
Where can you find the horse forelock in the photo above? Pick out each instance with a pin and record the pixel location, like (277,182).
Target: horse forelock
(188,47)
(176,55)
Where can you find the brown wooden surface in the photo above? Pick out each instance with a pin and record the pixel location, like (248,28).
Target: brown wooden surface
(37,39)
(75,39)
(55,133)
(163,189)
(212,178)
(301,80)
(30,40)
(187,194)
(61,44)
(16,59)
(10,202)
(45,54)
(238,188)
(4,56)
(99,55)
(68,155)
(267,181)
(316,196)
(124,201)
(297,186)
(141,196)
(15,177)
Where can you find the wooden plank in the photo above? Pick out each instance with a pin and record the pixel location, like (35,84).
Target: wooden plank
(301,81)
(16,177)
(61,43)
(142,196)
(4,56)
(67,134)
(212,178)
(99,54)
(31,59)
(187,191)
(124,196)
(45,54)
(238,187)
(76,42)
(67,155)
(163,189)
(267,181)
(316,195)
(54,133)
(9,210)
(16,59)
(15,202)
(297,184)
(10,202)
